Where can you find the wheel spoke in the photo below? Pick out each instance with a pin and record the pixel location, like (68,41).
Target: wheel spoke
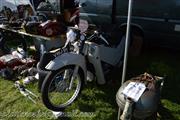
(64,87)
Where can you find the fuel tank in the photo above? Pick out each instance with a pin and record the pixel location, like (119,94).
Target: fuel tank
(147,104)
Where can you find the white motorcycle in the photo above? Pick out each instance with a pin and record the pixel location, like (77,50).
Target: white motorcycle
(90,57)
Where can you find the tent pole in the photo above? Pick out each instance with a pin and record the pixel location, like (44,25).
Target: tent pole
(33,6)
(113,18)
(127,41)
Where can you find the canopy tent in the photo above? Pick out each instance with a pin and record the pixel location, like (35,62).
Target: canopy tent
(12,4)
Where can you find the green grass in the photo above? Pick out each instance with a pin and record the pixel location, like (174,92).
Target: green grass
(98,102)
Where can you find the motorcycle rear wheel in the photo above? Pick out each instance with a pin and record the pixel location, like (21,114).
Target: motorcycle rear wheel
(56,94)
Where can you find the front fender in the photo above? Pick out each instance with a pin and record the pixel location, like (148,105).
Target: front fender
(67,59)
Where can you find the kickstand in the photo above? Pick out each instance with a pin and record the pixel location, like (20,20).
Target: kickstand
(27,93)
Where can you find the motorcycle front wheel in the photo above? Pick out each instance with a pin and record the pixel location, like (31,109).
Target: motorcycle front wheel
(61,87)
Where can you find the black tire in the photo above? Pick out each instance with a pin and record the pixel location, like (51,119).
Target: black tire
(42,76)
(136,43)
(44,60)
(42,17)
(40,82)
(152,117)
(49,86)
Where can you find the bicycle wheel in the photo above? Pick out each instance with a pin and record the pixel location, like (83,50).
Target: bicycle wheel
(61,87)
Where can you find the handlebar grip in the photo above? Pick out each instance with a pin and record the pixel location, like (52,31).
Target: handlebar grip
(104,39)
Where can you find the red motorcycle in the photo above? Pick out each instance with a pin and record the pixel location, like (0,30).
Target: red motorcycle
(13,64)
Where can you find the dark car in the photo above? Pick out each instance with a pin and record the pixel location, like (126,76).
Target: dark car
(48,9)
(156,21)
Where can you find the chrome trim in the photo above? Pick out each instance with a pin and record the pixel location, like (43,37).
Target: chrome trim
(88,14)
(133,17)
(173,21)
(94,15)
(144,18)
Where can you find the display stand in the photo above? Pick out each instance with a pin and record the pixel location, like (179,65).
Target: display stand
(42,43)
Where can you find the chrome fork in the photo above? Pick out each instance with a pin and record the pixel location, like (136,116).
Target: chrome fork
(73,77)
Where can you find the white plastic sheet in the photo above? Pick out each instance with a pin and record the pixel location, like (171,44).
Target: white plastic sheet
(134,90)
(12,4)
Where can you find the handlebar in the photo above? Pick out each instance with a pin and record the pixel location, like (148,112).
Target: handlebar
(99,35)
(75,34)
